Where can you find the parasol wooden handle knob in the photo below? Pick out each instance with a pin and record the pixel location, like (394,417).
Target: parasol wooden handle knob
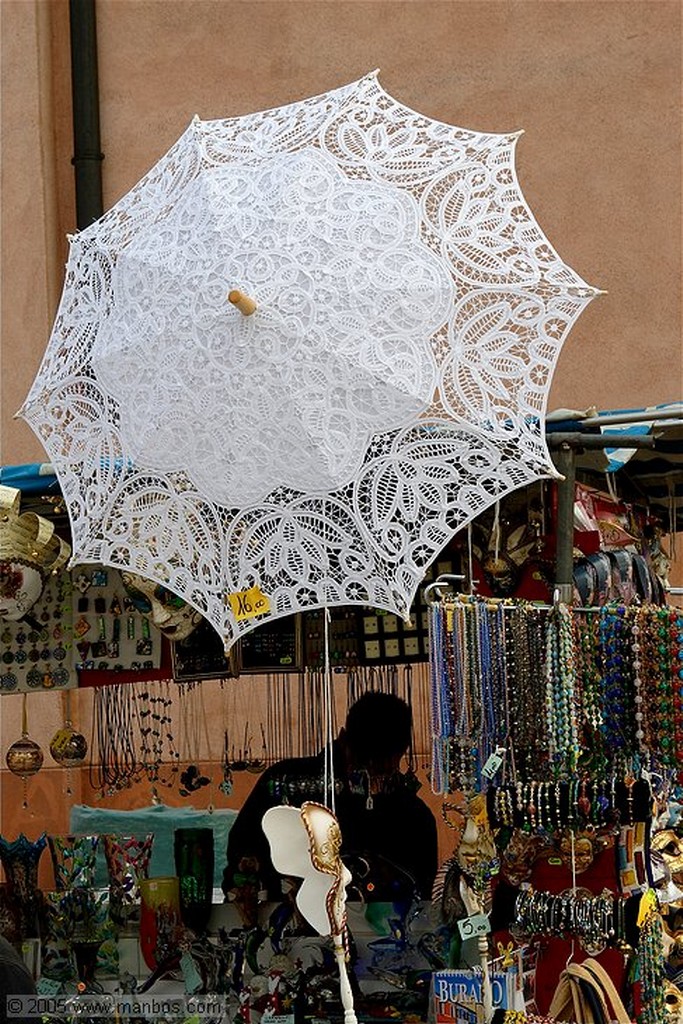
(241,301)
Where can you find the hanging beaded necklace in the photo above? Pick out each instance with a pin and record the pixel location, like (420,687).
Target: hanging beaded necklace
(662,665)
(676,657)
(460,725)
(586,650)
(437,694)
(525,670)
(113,763)
(560,691)
(641,731)
(616,688)
(651,963)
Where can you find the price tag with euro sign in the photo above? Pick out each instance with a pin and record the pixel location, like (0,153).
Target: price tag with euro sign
(473,926)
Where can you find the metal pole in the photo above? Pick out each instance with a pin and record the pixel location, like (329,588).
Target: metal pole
(565,462)
(87,158)
(644,416)
(558,439)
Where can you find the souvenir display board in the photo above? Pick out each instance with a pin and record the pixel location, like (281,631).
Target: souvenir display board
(36,653)
(84,621)
(112,631)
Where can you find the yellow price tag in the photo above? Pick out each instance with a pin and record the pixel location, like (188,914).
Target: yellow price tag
(648,904)
(246,604)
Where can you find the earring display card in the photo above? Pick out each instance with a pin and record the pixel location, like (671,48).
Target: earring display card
(113,629)
(386,638)
(344,635)
(37,652)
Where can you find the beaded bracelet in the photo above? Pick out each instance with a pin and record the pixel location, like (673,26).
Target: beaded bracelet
(597,920)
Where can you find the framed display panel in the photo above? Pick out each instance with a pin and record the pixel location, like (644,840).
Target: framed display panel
(201,656)
(275,646)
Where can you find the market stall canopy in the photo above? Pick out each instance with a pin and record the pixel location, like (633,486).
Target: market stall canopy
(651,475)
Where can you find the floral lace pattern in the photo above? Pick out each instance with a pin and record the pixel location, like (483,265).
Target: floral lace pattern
(389,387)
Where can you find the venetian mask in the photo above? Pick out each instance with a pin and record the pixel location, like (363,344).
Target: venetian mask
(305,842)
(519,856)
(578,849)
(670,845)
(672,936)
(173,616)
(673,1002)
(476,848)
(20,588)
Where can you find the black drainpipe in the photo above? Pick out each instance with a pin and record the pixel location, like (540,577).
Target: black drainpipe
(87,158)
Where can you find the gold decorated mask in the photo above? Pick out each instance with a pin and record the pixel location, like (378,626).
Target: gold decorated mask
(670,845)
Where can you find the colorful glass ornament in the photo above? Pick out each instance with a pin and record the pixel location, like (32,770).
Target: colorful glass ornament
(159,919)
(68,747)
(73,860)
(25,757)
(127,859)
(194,862)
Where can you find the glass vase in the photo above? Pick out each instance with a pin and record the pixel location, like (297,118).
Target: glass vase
(85,954)
(73,860)
(127,860)
(9,915)
(194,862)
(56,931)
(160,921)
(20,859)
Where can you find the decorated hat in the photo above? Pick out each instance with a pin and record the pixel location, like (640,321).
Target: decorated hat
(29,538)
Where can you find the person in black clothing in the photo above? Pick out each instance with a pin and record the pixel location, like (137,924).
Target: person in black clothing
(15,980)
(389,836)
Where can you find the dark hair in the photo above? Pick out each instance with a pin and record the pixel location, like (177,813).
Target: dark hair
(378,725)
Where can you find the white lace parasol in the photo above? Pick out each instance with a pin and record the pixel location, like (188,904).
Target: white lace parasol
(390,385)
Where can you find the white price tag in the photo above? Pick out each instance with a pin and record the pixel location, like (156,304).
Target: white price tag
(492,765)
(471,927)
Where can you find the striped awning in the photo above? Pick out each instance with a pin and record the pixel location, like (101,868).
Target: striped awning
(653,476)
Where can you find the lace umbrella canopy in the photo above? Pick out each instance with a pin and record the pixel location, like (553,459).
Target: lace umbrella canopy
(389,387)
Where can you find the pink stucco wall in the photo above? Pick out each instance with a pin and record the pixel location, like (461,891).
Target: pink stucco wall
(595,85)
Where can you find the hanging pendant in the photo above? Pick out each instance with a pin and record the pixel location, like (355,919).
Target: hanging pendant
(25,757)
